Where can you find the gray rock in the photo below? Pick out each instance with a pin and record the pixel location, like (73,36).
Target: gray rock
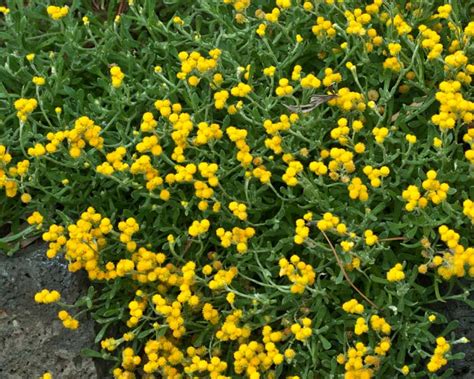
(32,338)
(463,369)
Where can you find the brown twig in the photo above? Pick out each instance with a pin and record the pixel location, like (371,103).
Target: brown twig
(340,264)
(121,7)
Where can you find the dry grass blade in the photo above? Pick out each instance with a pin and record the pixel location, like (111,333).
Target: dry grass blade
(340,264)
(315,101)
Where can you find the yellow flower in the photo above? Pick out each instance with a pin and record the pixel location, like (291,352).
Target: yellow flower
(396,274)
(117,76)
(39,80)
(57,13)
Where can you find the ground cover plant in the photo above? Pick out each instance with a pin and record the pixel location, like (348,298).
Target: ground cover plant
(276,189)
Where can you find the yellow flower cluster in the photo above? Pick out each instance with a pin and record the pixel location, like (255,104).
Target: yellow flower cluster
(347,100)
(396,274)
(454,261)
(319,168)
(237,236)
(393,64)
(380,134)
(262,174)
(449,236)
(360,326)
(254,357)
(341,161)
(383,347)
(414,199)
(57,13)
(215,367)
(302,331)
(375,40)
(374,174)
(370,238)
(410,138)
(468,209)
(394,48)
(285,123)
(35,218)
(46,297)
(148,123)
(284,88)
(301,231)
(430,40)
(341,133)
(182,126)
(142,165)
(149,144)
(438,359)
(199,227)
(230,331)
(261,29)
(453,107)
(84,130)
(238,136)
(273,16)
(24,107)
(129,360)
(56,239)
(331,222)
(117,76)
(400,24)
(223,278)
(220,99)
(162,355)
(310,81)
(380,325)
(443,11)
(435,191)
(194,61)
(114,162)
(353,306)
(210,313)
(69,322)
(239,5)
(358,190)
(241,90)
(356,21)
(38,80)
(455,60)
(207,133)
(293,169)
(172,312)
(296,74)
(4,10)
(86,239)
(298,272)
(136,309)
(128,228)
(469,138)
(269,71)
(323,28)
(8,175)
(356,365)
(239,210)
(284,4)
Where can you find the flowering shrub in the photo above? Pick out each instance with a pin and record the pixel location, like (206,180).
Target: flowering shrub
(254,188)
